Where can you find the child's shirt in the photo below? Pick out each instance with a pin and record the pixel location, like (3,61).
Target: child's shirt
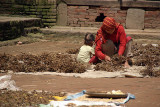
(85,53)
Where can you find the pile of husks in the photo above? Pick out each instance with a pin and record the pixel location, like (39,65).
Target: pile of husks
(32,99)
(24,98)
(147,56)
(143,55)
(72,51)
(113,65)
(40,63)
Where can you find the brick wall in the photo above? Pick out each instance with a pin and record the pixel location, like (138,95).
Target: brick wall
(6,7)
(84,12)
(44,9)
(152,19)
(85,16)
(15,28)
(46,12)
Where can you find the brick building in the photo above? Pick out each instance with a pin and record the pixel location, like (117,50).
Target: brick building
(131,14)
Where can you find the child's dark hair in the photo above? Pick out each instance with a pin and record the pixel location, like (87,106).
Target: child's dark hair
(88,39)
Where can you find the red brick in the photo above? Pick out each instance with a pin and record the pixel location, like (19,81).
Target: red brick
(115,12)
(105,14)
(148,15)
(74,25)
(80,10)
(158,19)
(92,11)
(72,10)
(121,14)
(71,15)
(81,24)
(83,13)
(72,20)
(148,21)
(147,25)
(72,7)
(88,23)
(75,21)
(82,19)
(121,21)
(152,13)
(80,16)
(122,11)
(104,8)
(154,25)
(83,7)
(101,11)
(114,9)
(110,15)
(76,16)
(87,16)
(92,18)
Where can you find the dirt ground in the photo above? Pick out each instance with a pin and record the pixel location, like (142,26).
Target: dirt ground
(146,90)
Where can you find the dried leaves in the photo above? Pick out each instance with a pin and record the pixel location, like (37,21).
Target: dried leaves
(148,56)
(72,51)
(40,63)
(24,98)
(114,65)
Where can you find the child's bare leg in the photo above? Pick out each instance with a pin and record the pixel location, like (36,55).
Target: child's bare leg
(128,53)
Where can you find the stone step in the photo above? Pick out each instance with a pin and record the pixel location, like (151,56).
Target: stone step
(147,33)
(12,27)
(31,30)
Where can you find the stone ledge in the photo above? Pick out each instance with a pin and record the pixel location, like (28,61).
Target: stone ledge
(13,27)
(112,3)
(141,4)
(147,33)
(115,3)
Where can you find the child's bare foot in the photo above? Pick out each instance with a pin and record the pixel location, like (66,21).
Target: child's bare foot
(126,65)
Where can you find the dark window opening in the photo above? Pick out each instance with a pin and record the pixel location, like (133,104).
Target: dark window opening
(94,7)
(100,18)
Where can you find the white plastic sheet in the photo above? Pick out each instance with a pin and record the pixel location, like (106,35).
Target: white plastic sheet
(6,83)
(80,103)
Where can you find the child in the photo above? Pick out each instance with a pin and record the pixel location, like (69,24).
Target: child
(87,52)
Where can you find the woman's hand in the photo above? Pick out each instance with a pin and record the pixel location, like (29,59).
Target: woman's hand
(107,58)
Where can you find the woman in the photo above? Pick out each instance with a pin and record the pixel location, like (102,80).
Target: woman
(111,38)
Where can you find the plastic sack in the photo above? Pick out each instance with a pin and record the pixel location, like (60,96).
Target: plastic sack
(6,83)
(78,103)
(71,97)
(130,96)
(5,78)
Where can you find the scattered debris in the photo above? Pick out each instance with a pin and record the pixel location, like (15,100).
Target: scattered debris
(72,51)
(114,65)
(147,55)
(6,83)
(40,63)
(25,98)
(19,43)
(143,55)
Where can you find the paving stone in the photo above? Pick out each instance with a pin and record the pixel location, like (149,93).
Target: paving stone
(62,14)
(135,19)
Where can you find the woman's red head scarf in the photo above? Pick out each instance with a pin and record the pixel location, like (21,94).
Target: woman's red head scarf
(109,24)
